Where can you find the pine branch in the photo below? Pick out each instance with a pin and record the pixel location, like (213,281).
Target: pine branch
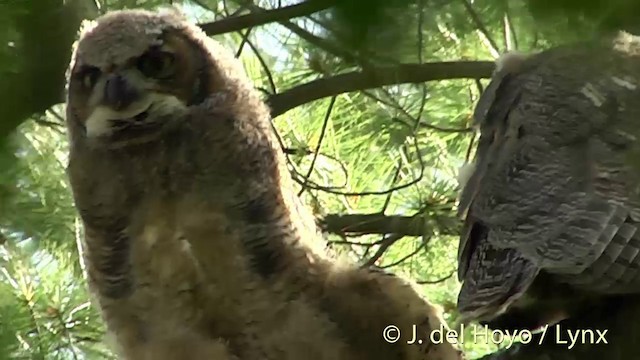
(376,224)
(376,77)
(384,246)
(40,85)
(257,18)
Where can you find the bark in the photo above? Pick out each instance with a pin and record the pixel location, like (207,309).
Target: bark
(361,224)
(376,77)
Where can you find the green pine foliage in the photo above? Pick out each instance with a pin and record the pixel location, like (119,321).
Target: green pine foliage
(392,150)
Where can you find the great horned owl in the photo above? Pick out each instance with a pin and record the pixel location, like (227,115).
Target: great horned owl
(196,245)
(552,205)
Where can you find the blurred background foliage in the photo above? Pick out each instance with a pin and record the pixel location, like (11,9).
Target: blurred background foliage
(378,165)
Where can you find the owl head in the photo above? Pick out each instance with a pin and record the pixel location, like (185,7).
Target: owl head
(134,73)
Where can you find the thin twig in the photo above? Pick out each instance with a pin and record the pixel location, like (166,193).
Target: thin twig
(333,189)
(404,112)
(437,281)
(57,116)
(265,67)
(405,258)
(236,23)
(387,200)
(50,124)
(312,39)
(493,46)
(512,38)
(327,116)
(355,243)
(245,39)
(343,167)
(384,246)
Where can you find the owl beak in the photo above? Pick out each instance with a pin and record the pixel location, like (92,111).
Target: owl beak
(121,99)
(119,93)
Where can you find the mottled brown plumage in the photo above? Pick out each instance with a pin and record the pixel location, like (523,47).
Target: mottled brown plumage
(196,245)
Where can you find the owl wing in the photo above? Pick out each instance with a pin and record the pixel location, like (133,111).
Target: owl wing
(548,192)
(494,105)
(487,287)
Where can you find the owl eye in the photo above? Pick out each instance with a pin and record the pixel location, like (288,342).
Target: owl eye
(89,76)
(157,64)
